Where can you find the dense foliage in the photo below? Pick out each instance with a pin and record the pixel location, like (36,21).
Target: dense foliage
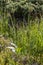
(21,22)
(23,9)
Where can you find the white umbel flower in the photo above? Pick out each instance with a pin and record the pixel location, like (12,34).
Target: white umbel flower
(14,45)
(11,48)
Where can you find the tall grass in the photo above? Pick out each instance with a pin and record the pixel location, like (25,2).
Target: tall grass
(29,40)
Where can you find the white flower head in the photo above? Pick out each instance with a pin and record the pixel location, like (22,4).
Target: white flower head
(11,48)
(14,45)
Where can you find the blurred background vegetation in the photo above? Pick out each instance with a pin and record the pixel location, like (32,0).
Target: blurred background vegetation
(21,23)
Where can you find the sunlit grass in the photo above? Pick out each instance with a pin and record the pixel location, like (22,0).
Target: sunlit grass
(29,40)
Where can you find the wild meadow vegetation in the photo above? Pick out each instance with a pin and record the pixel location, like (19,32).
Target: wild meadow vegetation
(21,29)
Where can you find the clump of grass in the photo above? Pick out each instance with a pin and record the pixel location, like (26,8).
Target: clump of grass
(29,40)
